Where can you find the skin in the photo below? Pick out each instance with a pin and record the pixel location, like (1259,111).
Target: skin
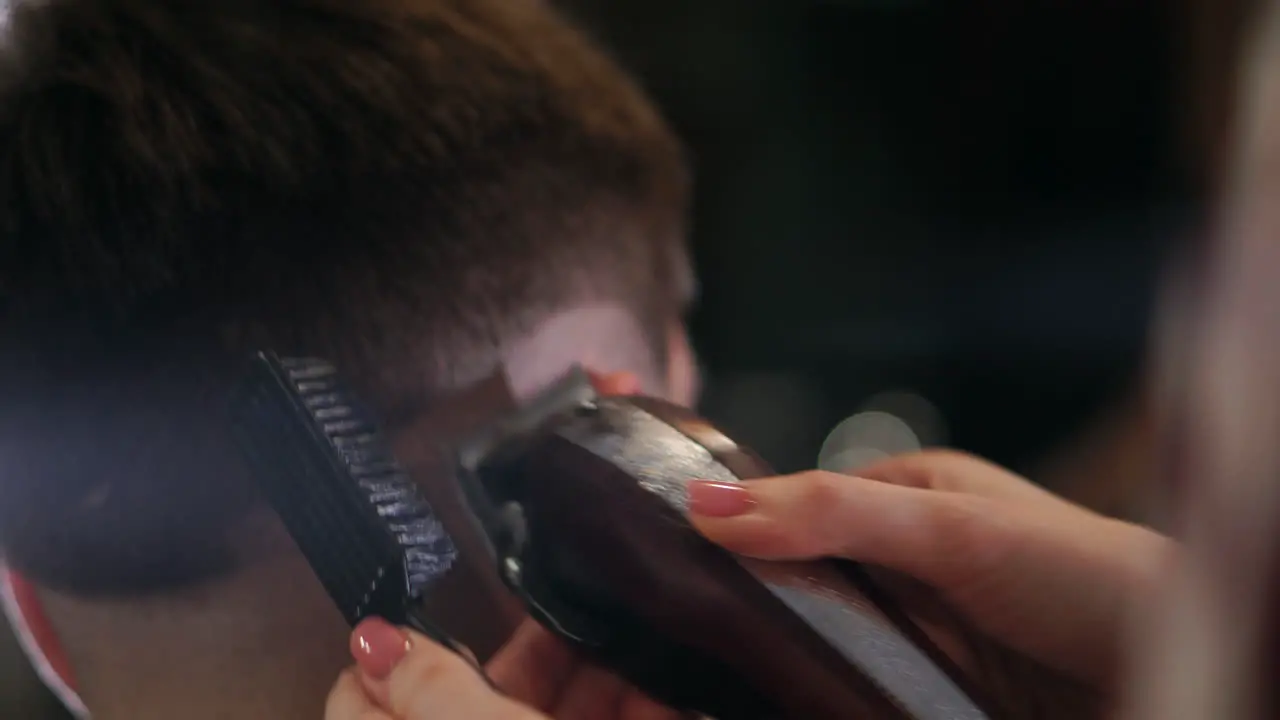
(1045,584)
(177,655)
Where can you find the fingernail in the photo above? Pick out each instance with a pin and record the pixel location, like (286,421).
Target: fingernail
(719,499)
(378,647)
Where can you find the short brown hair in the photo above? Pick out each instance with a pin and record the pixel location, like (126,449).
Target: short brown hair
(399,185)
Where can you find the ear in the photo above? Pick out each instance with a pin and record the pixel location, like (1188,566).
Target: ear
(683,379)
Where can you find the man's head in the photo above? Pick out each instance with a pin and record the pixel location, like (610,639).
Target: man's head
(419,190)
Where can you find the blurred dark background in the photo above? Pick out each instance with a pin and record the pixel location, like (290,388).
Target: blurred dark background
(966,201)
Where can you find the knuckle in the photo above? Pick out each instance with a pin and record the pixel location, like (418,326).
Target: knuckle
(954,514)
(819,522)
(932,469)
(935,473)
(956,526)
(951,465)
(821,492)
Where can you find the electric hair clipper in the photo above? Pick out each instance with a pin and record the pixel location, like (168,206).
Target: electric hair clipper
(576,503)
(582,501)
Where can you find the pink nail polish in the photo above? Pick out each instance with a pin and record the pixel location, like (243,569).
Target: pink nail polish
(378,647)
(719,499)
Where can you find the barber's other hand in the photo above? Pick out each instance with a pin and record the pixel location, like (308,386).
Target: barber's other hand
(1035,576)
(401,675)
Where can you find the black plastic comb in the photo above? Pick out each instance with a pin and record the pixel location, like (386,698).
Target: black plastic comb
(325,467)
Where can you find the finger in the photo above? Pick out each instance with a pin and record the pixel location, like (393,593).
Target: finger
(590,694)
(533,667)
(619,383)
(951,471)
(412,678)
(1005,567)
(936,537)
(348,700)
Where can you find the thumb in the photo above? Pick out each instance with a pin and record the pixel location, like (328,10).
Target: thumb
(412,678)
(942,539)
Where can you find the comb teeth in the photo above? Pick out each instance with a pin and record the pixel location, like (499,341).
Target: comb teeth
(427,549)
(368,534)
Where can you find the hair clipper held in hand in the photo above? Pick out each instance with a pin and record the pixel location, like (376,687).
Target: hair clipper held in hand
(579,501)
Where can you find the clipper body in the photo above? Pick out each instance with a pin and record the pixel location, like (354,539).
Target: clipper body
(581,499)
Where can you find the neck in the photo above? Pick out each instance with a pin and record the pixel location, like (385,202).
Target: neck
(174,684)
(265,643)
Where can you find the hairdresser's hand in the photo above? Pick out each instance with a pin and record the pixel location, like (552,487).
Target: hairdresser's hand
(1044,583)
(400,675)
(538,669)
